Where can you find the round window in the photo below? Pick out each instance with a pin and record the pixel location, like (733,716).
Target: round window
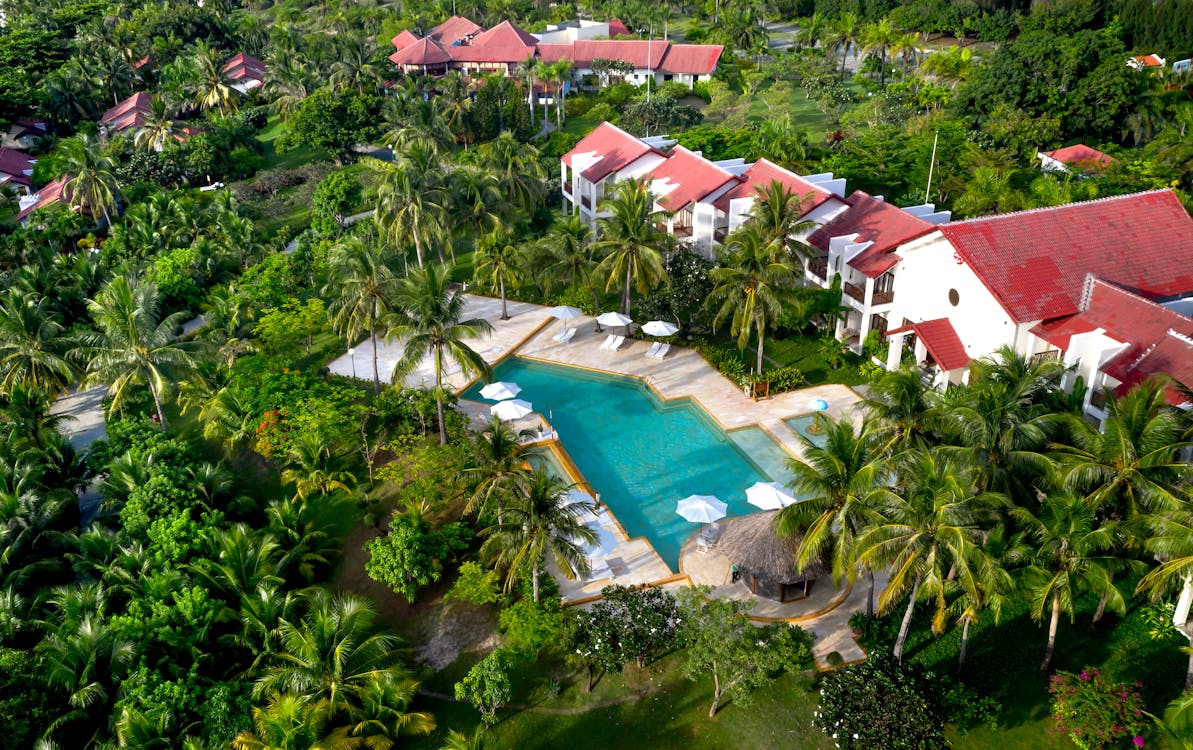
(954,298)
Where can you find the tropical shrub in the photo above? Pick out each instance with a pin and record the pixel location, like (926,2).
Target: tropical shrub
(487,685)
(1094,712)
(881,704)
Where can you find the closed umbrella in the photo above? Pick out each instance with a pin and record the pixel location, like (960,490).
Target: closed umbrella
(514,408)
(660,328)
(769,496)
(701,508)
(500,391)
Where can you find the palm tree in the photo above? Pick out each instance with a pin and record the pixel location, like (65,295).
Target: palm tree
(475,200)
(91,184)
(287,83)
(131,346)
(517,168)
(411,202)
(990,586)
(631,241)
(572,253)
(241,561)
(354,71)
(839,488)
(751,287)
(289,722)
(845,32)
(1170,539)
(432,326)
(777,213)
(86,661)
(33,344)
(362,293)
(211,87)
(877,39)
(561,73)
(526,70)
(541,522)
(1073,554)
(905,407)
(498,261)
(157,129)
(499,465)
(384,718)
(313,469)
(927,531)
(454,100)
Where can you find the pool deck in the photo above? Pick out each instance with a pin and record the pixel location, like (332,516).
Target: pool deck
(683,373)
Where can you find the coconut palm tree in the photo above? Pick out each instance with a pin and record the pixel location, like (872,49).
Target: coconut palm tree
(211,87)
(631,241)
(839,489)
(354,71)
(131,346)
(287,83)
(561,73)
(454,100)
(411,199)
(498,466)
(845,33)
(989,588)
(541,522)
(1073,554)
(498,261)
(432,325)
(517,168)
(927,530)
(878,39)
(905,407)
(1170,539)
(362,292)
(383,715)
(475,200)
(751,287)
(289,722)
(157,129)
(91,182)
(526,70)
(572,255)
(313,469)
(33,344)
(85,661)
(777,213)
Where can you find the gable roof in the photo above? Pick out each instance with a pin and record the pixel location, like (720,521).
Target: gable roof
(1080,155)
(49,194)
(17,166)
(618,28)
(425,51)
(613,147)
(874,221)
(762,173)
(1035,262)
(1149,61)
(404,39)
(504,34)
(242,67)
(691,59)
(124,114)
(453,30)
(685,176)
(941,341)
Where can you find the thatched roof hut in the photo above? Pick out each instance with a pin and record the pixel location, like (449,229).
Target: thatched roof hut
(765,562)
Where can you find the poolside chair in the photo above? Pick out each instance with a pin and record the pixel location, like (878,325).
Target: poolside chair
(565,335)
(653,348)
(660,352)
(608,342)
(616,343)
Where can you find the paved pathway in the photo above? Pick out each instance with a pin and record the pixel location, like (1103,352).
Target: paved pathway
(85,426)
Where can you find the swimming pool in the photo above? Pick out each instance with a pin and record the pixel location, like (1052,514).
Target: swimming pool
(643,454)
(801,426)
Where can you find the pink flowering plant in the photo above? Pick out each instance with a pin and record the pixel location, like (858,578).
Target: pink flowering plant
(1095,713)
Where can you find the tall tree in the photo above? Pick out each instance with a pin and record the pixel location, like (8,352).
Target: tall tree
(778,214)
(517,168)
(33,344)
(631,240)
(573,260)
(90,176)
(411,202)
(499,261)
(362,292)
(132,345)
(432,325)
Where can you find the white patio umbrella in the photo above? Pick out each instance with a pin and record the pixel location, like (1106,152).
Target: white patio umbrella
(701,508)
(565,313)
(769,496)
(514,408)
(500,391)
(660,328)
(614,319)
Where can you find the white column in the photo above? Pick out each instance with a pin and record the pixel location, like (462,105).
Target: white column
(864,326)
(894,351)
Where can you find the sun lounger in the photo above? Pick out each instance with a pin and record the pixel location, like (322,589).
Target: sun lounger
(565,335)
(608,342)
(660,352)
(616,343)
(653,348)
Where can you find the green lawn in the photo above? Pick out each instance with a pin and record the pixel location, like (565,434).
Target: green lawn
(667,712)
(268,136)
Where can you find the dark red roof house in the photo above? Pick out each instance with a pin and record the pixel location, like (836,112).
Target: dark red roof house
(454,30)
(941,340)
(875,221)
(761,174)
(686,177)
(1079,157)
(615,149)
(245,72)
(17,167)
(50,194)
(130,113)
(404,39)
(424,56)
(618,28)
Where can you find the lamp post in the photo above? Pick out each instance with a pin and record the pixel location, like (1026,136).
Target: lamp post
(352,356)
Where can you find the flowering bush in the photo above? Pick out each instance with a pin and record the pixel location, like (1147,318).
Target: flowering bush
(1094,712)
(881,705)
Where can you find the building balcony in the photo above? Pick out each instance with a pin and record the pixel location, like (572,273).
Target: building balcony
(567,189)
(858,294)
(818,267)
(1097,399)
(586,201)
(1041,357)
(883,298)
(681,231)
(719,234)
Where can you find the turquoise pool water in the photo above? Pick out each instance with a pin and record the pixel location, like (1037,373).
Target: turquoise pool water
(799,425)
(642,454)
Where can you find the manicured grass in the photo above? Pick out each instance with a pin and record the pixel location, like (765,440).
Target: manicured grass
(667,711)
(274,159)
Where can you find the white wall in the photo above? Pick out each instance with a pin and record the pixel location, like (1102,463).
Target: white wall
(923,278)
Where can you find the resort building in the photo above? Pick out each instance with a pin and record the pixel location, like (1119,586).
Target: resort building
(705,199)
(1105,286)
(459,44)
(244,73)
(16,170)
(24,133)
(128,116)
(52,193)
(1079,159)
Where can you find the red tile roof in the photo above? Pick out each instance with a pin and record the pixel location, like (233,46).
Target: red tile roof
(615,147)
(242,67)
(1150,61)
(689,176)
(404,39)
(1080,155)
(453,30)
(504,34)
(139,102)
(16,164)
(618,28)
(875,221)
(762,173)
(1169,356)
(691,59)
(423,52)
(941,340)
(51,193)
(1035,262)
(146,60)
(504,43)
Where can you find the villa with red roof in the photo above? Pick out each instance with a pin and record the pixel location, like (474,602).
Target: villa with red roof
(459,44)
(1078,158)
(128,116)
(50,194)
(16,169)
(244,72)
(704,199)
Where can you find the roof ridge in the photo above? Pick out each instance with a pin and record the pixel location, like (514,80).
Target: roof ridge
(702,158)
(1045,209)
